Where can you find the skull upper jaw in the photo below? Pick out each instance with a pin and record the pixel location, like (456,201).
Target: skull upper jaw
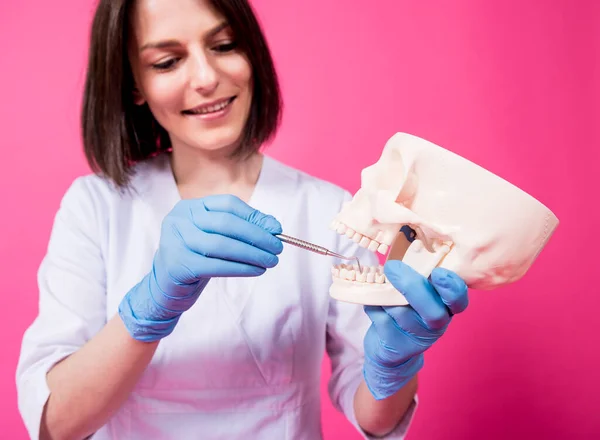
(357,222)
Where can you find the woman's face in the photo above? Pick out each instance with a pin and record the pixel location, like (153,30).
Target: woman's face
(189,71)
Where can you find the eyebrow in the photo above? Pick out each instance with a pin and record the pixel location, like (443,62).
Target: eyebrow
(172,43)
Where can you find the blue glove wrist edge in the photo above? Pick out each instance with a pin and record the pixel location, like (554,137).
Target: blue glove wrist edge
(144,330)
(384,382)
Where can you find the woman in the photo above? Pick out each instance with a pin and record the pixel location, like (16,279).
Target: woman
(168,306)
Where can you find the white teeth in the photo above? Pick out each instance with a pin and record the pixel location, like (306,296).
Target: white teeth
(367,274)
(364,242)
(211,109)
(374,245)
(383,248)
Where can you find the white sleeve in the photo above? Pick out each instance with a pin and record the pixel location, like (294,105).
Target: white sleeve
(71,283)
(347,325)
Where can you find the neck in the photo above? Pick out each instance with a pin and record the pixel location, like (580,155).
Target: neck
(202,173)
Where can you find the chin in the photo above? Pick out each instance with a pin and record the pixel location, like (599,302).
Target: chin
(222,139)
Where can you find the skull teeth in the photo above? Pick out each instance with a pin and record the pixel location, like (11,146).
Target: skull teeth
(374,245)
(368,274)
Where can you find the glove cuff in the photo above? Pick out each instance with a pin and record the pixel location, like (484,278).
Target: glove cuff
(149,313)
(386,381)
(141,329)
(146,320)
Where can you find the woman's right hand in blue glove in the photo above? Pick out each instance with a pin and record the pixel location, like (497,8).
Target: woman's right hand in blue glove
(215,236)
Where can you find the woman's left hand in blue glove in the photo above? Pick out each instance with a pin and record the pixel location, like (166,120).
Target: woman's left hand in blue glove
(399,335)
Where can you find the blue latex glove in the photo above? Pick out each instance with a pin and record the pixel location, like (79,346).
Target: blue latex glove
(399,335)
(215,236)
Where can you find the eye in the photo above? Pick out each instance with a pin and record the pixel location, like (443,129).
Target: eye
(165,65)
(225,47)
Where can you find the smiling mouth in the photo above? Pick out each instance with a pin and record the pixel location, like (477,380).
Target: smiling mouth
(211,108)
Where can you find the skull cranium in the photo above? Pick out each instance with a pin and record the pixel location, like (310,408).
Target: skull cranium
(464,218)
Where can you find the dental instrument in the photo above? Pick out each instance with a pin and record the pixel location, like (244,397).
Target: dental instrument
(315,248)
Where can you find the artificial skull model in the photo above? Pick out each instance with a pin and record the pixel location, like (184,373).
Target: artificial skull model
(430,207)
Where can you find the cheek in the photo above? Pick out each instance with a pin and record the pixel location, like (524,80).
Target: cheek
(238,70)
(164,92)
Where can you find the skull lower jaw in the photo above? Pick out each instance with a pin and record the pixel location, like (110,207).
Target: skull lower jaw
(375,294)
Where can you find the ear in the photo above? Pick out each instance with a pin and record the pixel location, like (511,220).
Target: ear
(138,98)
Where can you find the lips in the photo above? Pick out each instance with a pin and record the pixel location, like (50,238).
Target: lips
(211,107)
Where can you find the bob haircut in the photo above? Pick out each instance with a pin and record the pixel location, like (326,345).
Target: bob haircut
(117,133)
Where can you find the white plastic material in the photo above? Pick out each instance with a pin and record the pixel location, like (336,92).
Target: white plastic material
(466,219)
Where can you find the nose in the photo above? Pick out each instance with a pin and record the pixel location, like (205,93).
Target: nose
(203,75)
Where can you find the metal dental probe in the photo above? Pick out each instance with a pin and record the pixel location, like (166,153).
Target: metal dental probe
(314,248)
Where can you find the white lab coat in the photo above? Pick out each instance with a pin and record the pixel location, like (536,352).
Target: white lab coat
(244,362)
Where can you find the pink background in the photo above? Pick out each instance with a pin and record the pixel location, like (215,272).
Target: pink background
(511,85)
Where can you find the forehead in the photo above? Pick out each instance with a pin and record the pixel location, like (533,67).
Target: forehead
(155,19)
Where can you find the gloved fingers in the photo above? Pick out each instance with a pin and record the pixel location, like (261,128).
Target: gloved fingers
(224,268)
(195,267)
(220,247)
(452,289)
(234,205)
(382,322)
(419,293)
(388,343)
(413,326)
(378,351)
(225,248)
(234,227)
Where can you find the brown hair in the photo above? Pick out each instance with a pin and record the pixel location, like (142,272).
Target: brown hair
(117,133)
